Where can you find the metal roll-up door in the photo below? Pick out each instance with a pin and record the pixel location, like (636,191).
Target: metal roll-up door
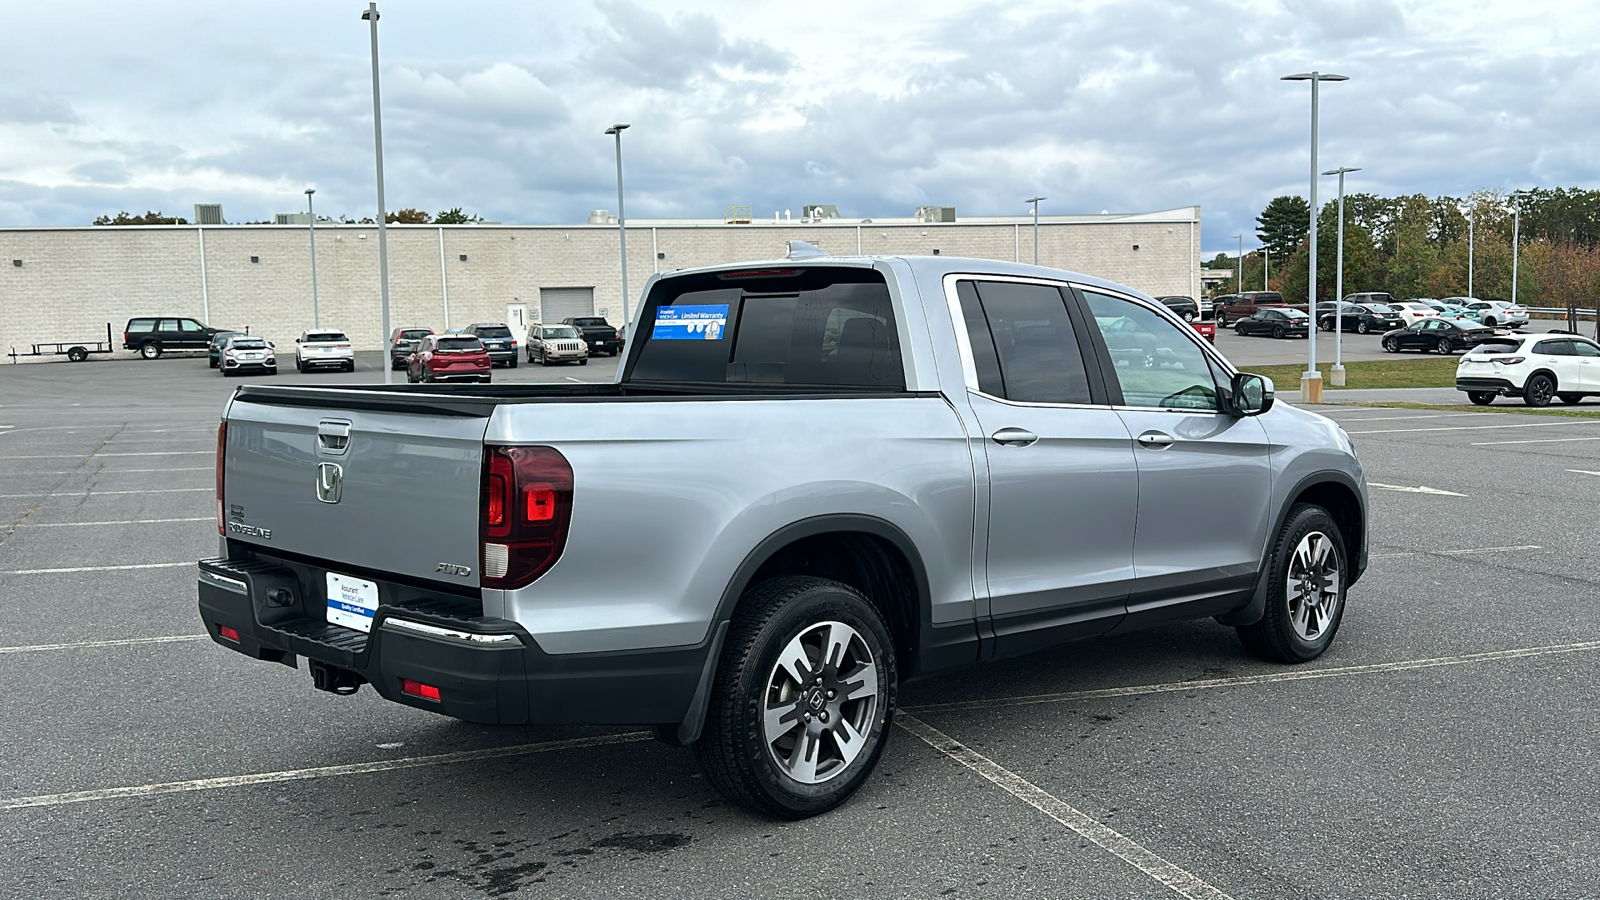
(556,304)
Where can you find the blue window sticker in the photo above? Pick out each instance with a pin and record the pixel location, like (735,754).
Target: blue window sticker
(690,323)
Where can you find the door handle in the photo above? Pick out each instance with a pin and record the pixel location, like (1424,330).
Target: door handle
(1014,437)
(1155,440)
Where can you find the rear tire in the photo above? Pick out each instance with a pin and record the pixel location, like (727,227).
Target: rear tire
(762,748)
(1570,399)
(1538,391)
(150,351)
(1363,328)
(1480,398)
(1306,579)
(1277,331)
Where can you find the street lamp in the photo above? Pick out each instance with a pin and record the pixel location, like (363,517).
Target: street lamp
(311,220)
(371,17)
(1035,202)
(1239,260)
(1338,290)
(1516,233)
(1472,219)
(1266,268)
(1311,381)
(622,223)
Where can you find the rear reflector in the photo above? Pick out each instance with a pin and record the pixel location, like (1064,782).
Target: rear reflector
(418,689)
(228,633)
(541,503)
(222,444)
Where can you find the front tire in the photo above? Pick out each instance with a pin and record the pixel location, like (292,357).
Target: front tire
(1570,399)
(1538,391)
(803,698)
(1239,329)
(1390,345)
(1305,590)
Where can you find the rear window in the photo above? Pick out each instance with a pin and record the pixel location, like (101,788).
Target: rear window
(1267,297)
(1380,308)
(1494,346)
(589,323)
(411,334)
(249,344)
(459,345)
(326,336)
(494,331)
(828,325)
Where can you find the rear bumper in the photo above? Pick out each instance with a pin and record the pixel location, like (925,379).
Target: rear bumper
(461,374)
(311,362)
(1494,385)
(486,669)
(233,365)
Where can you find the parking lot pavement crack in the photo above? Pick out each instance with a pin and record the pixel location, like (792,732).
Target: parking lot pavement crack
(1169,874)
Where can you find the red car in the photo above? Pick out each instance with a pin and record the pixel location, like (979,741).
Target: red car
(448,357)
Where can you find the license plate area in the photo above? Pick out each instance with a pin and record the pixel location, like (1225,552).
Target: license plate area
(352,602)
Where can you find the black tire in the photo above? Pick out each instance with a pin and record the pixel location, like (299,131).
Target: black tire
(1570,399)
(1488,321)
(1275,637)
(228,373)
(1445,346)
(212,363)
(1390,345)
(733,749)
(488,379)
(1222,320)
(77,354)
(150,351)
(1188,317)
(1480,398)
(1277,331)
(349,366)
(584,361)
(1239,329)
(1538,390)
(513,362)
(1363,328)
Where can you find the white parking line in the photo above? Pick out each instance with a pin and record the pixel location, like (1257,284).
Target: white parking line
(1543,441)
(1272,678)
(1479,427)
(117,522)
(104,493)
(138,453)
(1455,552)
(1133,853)
(111,471)
(1413,490)
(173,565)
(1583,472)
(90,645)
(384,765)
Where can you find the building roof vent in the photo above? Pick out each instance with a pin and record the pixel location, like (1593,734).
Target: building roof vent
(927,214)
(816,212)
(600,217)
(804,250)
(208,214)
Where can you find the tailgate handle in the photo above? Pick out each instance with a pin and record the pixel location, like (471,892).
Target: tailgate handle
(333,436)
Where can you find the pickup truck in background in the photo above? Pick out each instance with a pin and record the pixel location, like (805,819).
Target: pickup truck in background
(812,479)
(597,333)
(1233,307)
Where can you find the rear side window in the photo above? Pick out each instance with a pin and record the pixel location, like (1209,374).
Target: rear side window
(821,326)
(459,345)
(497,331)
(142,325)
(1023,342)
(1554,348)
(1584,348)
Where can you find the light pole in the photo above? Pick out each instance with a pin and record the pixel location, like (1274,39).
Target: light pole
(1472,219)
(1338,290)
(371,16)
(1239,262)
(1266,268)
(622,223)
(1311,381)
(1516,234)
(311,220)
(1035,202)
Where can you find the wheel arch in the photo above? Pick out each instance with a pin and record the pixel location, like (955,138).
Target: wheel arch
(1339,494)
(1546,372)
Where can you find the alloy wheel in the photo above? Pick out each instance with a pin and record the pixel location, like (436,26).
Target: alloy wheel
(820,702)
(1312,585)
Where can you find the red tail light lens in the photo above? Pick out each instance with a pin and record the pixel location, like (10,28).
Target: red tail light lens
(231,634)
(222,444)
(527,508)
(418,689)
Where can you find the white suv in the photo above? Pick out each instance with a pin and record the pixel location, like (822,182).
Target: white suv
(1535,367)
(324,349)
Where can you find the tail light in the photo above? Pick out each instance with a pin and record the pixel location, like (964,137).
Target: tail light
(1508,360)
(527,507)
(222,444)
(342,346)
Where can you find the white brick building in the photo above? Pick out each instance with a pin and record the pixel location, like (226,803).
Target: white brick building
(67,283)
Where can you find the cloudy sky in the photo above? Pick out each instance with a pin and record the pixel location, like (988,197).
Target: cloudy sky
(878,107)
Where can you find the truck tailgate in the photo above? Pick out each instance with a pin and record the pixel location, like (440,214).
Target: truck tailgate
(384,490)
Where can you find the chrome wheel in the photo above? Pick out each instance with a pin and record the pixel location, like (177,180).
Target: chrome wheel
(821,701)
(1312,585)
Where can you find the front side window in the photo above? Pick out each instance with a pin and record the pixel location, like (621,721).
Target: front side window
(1023,343)
(1156,364)
(1584,348)
(169,325)
(190,325)
(1554,348)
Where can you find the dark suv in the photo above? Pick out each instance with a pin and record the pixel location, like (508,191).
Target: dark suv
(1185,307)
(403,342)
(497,339)
(154,335)
(597,333)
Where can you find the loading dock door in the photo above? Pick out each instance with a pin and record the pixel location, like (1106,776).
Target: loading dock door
(556,304)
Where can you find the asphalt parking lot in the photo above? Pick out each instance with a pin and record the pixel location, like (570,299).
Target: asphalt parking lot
(1444,747)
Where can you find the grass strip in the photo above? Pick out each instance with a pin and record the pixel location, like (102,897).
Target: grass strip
(1510,406)
(1426,372)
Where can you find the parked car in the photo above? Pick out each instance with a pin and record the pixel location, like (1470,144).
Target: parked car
(1361,318)
(751,538)
(497,340)
(1280,322)
(1233,307)
(152,336)
(1496,313)
(324,349)
(1532,367)
(248,353)
(214,346)
(403,342)
(1207,308)
(1437,335)
(556,343)
(1413,311)
(449,357)
(597,333)
(1186,307)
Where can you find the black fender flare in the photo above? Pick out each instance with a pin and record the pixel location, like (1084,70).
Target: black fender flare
(1252,612)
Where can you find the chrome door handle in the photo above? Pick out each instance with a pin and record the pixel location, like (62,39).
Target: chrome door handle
(1014,437)
(1155,440)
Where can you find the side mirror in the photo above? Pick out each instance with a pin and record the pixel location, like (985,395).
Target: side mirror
(1252,395)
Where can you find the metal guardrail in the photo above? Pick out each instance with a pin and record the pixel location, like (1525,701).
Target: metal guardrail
(1559,311)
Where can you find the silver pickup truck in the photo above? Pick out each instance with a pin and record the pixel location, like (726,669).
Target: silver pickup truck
(813,479)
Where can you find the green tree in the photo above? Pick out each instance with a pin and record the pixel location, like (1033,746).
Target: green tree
(149,218)
(409,216)
(454,216)
(1283,224)
(1411,253)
